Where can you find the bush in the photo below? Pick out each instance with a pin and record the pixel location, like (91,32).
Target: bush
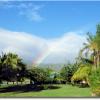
(94,81)
(81,75)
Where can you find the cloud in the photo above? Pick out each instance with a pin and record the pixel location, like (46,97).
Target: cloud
(65,48)
(26,9)
(35,49)
(20,43)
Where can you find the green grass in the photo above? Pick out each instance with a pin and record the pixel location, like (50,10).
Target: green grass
(62,91)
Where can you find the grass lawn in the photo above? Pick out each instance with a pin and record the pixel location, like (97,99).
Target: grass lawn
(55,91)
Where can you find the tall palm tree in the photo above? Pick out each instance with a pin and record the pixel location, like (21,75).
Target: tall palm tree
(98,44)
(93,45)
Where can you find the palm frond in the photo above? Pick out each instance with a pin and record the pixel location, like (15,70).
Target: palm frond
(90,37)
(82,50)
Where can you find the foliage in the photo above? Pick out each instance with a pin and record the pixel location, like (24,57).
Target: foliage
(81,74)
(37,75)
(68,71)
(93,45)
(48,75)
(11,67)
(43,76)
(56,78)
(94,81)
(89,58)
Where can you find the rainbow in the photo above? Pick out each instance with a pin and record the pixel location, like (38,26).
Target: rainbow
(41,56)
(45,53)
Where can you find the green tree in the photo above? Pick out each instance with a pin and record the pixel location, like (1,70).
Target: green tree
(36,75)
(94,82)
(68,71)
(93,45)
(21,71)
(87,59)
(48,75)
(81,74)
(10,65)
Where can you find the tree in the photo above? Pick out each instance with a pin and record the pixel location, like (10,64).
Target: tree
(48,75)
(90,58)
(36,75)
(21,71)
(93,45)
(94,82)
(10,65)
(81,74)
(68,71)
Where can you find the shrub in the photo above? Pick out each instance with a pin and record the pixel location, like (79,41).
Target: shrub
(94,81)
(81,74)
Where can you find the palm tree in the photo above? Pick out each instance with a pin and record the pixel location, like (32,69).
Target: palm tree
(9,65)
(91,52)
(98,44)
(12,66)
(93,45)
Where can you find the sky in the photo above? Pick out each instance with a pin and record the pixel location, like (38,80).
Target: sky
(46,31)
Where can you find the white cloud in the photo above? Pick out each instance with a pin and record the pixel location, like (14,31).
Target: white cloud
(21,43)
(65,48)
(32,48)
(25,8)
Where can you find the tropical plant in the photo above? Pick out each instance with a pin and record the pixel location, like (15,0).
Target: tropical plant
(81,74)
(93,45)
(94,82)
(68,71)
(10,65)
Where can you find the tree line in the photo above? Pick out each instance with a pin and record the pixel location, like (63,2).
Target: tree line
(13,69)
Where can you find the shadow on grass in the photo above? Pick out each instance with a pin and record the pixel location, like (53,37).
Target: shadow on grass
(27,88)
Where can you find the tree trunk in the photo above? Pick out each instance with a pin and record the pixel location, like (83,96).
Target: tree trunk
(98,59)
(94,59)
(95,62)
